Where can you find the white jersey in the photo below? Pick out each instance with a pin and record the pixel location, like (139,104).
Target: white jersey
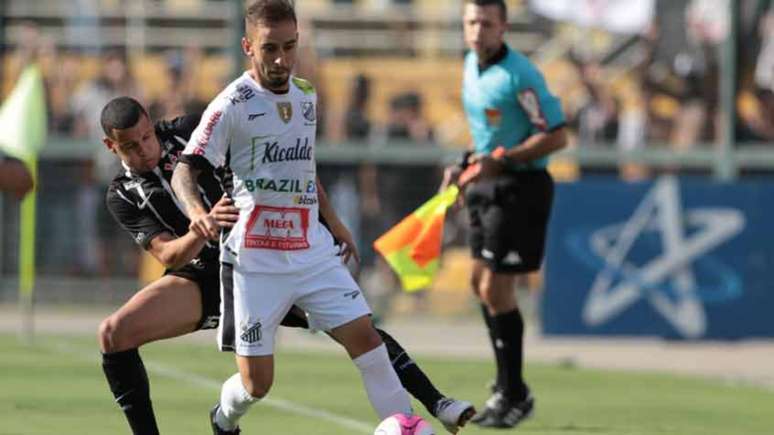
(268,141)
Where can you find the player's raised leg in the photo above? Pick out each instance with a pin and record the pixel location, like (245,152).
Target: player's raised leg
(452,413)
(368,352)
(166,308)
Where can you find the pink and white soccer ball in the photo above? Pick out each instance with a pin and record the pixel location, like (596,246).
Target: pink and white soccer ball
(402,424)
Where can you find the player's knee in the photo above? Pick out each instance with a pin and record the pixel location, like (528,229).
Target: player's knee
(365,340)
(114,335)
(257,387)
(475,283)
(372,339)
(106,334)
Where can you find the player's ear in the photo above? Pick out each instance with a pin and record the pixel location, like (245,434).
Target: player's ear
(247,46)
(109,143)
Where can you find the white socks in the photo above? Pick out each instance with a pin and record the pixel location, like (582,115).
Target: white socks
(234,403)
(382,385)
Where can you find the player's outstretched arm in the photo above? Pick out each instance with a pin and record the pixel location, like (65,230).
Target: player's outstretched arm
(339,231)
(184,185)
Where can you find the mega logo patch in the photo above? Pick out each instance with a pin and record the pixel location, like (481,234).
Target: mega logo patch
(277,228)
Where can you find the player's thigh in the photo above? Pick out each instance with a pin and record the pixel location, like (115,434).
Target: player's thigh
(253,307)
(257,373)
(168,307)
(335,300)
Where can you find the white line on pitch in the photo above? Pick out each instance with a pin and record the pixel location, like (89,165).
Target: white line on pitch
(213,384)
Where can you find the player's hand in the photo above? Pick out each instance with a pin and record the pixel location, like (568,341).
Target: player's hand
(204,225)
(450,176)
(225,213)
(489,166)
(347,249)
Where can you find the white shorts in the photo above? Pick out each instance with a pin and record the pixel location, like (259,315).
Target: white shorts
(254,304)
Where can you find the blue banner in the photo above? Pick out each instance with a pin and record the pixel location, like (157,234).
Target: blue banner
(685,258)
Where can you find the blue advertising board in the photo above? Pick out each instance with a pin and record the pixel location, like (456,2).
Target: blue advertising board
(684,258)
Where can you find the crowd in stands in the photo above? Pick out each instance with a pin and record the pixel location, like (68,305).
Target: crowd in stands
(664,92)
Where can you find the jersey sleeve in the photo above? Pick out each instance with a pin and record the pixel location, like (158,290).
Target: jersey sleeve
(182,126)
(542,107)
(210,139)
(140,224)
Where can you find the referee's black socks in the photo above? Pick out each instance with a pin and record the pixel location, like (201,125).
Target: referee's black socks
(128,381)
(510,348)
(411,376)
(496,343)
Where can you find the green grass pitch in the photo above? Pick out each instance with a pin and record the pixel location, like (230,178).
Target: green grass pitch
(57,387)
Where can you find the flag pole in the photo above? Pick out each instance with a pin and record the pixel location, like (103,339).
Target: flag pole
(24,126)
(27,257)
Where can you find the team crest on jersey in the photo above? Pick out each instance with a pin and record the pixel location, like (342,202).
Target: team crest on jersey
(493,117)
(285,111)
(307,109)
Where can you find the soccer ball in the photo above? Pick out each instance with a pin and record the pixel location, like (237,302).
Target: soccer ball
(402,424)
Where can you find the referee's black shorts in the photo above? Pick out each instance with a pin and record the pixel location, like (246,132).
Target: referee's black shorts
(508,220)
(208,280)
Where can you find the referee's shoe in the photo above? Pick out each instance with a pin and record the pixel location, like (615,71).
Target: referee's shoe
(502,412)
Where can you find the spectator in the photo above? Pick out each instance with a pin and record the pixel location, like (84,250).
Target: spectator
(764,68)
(406,121)
(179,98)
(357,126)
(756,117)
(596,122)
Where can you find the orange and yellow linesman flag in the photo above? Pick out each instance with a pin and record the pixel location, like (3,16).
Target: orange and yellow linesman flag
(413,247)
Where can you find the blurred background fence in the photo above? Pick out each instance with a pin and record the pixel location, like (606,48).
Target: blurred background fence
(649,87)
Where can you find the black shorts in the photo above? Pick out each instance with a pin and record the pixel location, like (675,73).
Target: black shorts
(209,285)
(508,220)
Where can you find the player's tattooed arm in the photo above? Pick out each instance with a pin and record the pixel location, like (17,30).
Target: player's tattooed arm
(338,229)
(187,191)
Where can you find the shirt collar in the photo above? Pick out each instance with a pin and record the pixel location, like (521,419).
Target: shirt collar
(500,55)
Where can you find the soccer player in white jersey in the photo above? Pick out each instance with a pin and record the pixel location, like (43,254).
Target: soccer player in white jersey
(262,126)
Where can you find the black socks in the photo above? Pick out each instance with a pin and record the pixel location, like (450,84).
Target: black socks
(128,381)
(506,331)
(411,376)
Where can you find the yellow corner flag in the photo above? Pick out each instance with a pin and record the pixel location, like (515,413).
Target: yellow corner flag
(413,247)
(24,128)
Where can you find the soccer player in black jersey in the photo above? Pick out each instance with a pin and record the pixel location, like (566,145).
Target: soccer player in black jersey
(187,297)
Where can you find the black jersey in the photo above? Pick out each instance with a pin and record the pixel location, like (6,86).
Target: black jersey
(145,205)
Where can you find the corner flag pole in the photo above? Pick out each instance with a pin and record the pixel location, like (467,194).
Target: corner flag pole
(24,126)
(27,256)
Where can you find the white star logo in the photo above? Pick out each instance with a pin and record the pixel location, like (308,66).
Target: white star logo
(622,283)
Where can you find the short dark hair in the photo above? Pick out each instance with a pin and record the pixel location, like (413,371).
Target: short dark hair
(499,3)
(120,113)
(269,11)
